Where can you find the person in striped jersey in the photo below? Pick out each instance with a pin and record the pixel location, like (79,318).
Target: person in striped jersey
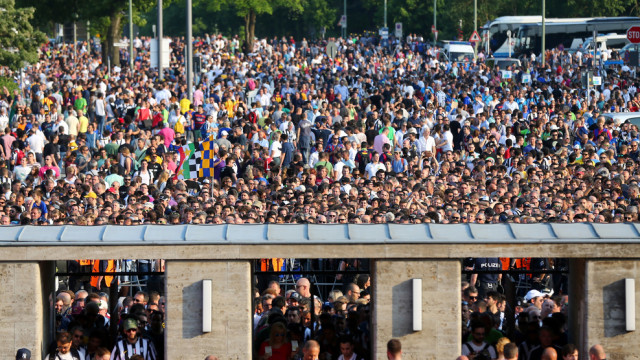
(133,343)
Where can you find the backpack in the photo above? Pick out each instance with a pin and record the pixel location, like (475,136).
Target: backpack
(253,117)
(178,127)
(143,114)
(365,159)
(483,354)
(74,354)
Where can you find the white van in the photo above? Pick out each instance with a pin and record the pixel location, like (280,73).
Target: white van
(458,51)
(605,42)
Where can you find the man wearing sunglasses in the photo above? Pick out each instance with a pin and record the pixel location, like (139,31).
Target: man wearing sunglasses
(133,343)
(63,350)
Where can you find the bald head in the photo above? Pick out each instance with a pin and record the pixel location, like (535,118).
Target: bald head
(65,297)
(211,357)
(549,354)
(597,352)
(311,350)
(303,286)
(311,344)
(462,357)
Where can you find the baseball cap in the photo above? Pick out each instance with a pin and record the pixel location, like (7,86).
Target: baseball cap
(130,324)
(92,195)
(533,294)
(23,354)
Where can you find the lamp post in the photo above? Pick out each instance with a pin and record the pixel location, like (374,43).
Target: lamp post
(189,58)
(130,35)
(544,3)
(344,26)
(160,42)
(435,24)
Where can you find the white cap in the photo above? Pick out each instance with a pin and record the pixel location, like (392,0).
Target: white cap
(533,294)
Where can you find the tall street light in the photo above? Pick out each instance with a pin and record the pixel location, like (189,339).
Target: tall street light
(189,58)
(544,2)
(160,42)
(130,35)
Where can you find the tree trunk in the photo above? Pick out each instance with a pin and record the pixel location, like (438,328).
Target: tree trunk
(113,35)
(249,31)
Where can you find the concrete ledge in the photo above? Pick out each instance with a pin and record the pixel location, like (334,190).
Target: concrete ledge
(326,234)
(569,249)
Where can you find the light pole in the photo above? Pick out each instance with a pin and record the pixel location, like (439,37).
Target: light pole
(344,26)
(189,64)
(385,13)
(75,36)
(130,35)
(160,42)
(544,2)
(435,25)
(475,25)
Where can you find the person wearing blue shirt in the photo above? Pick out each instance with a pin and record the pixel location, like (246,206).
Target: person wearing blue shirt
(287,151)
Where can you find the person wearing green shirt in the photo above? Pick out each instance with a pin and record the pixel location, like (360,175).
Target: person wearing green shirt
(392,132)
(165,113)
(112,147)
(80,104)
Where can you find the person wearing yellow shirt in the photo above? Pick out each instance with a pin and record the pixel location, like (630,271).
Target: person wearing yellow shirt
(83,122)
(73,145)
(185,103)
(47,104)
(230,105)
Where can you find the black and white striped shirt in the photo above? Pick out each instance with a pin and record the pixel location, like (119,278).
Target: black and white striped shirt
(123,350)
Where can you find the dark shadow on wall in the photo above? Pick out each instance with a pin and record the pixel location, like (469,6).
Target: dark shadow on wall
(613,300)
(192,311)
(402,309)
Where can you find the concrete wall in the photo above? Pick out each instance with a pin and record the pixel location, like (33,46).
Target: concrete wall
(605,301)
(441,313)
(21,309)
(230,338)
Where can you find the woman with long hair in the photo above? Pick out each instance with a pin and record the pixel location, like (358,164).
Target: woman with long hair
(278,346)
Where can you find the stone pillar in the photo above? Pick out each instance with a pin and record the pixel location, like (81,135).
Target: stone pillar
(605,312)
(230,336)
(577,302)
(21,309)
(440,337)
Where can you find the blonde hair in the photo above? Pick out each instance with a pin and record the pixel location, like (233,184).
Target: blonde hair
(163,177)
(501,343)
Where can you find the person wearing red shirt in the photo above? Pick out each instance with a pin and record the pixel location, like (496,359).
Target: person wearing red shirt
(277,347)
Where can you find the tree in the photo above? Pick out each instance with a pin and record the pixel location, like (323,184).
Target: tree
(19,42)
(113,13)
(249,9)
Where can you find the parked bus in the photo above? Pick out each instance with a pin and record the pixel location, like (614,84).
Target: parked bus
(496,32)
(568,32)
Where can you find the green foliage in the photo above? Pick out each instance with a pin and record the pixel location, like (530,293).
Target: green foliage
(307,18)
(19,42)
(9,83)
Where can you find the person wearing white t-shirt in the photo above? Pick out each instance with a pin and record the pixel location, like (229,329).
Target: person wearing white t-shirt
(448,136)
(426,142)
(276,150)
(374,166)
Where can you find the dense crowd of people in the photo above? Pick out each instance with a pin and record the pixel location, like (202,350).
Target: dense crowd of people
(371,135)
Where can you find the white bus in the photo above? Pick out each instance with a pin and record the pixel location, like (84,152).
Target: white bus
(495,32)
(568,32)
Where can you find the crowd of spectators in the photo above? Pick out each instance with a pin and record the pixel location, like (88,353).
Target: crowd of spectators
(373,135)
